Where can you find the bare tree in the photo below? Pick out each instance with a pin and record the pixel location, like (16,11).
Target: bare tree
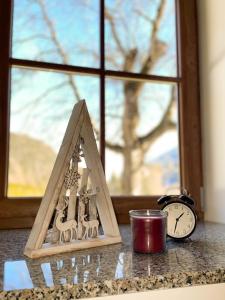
(134,147)
(132,90)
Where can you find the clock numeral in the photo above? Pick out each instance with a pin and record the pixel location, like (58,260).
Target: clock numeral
(181,220)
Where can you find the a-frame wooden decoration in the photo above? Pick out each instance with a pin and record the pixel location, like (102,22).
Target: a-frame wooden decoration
(76,199)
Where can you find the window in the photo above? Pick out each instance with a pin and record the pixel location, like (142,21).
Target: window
(135,62)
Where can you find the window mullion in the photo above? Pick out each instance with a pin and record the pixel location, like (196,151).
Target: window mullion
(102,83)
(5,36)
(189,100)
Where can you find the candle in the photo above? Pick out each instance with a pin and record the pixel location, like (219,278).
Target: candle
(149,229)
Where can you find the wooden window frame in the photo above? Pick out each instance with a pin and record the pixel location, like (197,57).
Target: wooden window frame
(20,212)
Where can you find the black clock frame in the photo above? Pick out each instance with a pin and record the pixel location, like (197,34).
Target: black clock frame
(178,199)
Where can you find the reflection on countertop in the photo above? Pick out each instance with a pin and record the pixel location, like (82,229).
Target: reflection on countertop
(112,269)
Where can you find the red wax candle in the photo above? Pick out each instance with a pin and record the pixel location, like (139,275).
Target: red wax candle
(149,229)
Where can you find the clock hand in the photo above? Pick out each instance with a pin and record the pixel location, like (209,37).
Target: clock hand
(179,217)
(175,226)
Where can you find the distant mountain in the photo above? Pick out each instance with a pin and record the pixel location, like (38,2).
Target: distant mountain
(170,162)
(169,156)
(31,161)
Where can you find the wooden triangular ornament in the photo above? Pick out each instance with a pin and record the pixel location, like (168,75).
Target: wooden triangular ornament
(75,197)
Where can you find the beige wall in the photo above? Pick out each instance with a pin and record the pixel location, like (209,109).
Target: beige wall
(212,79)
(206,292)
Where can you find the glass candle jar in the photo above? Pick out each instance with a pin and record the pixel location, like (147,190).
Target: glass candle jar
(149,228)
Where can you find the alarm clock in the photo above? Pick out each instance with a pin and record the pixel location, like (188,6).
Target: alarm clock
(181,220)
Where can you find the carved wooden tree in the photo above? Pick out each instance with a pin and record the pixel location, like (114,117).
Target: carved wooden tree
(74,228)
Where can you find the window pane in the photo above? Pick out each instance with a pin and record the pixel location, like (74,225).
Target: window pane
(142,155)
(41,104)
(141,36)
(50,31)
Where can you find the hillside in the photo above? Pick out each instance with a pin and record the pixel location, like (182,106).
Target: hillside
(31,162)
(30,165)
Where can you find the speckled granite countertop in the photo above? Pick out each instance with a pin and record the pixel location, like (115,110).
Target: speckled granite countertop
(110,270)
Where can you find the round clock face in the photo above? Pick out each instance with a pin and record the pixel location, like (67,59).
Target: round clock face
(181,220)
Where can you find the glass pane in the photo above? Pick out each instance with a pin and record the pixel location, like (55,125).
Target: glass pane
(142,154)
(140,36)
(50,31)
(41,104)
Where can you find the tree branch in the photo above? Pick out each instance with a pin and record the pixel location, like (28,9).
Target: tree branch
(113,116)
(132,90)
(32,37)
(84,49)
(52,32)
(140,13)
(41,96)
(59,48)
(129,60)
(109,17)
(114,147)
(164,125)
(44,52)
(157,47)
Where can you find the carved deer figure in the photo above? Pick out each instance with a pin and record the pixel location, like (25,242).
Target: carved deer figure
(70,225)
(93,225)
(86,226)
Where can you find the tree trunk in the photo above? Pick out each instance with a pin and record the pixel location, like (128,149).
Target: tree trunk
(129,126)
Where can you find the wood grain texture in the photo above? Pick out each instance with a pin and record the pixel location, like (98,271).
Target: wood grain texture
(78,245)
(189,111)
(17,222)
(79,126)
(55,183)
(189,103)
(5,37)
(73,198)
(98,182)
(19,208)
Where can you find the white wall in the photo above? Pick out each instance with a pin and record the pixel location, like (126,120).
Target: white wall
(211,17)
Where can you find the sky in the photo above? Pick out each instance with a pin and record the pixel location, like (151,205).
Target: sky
(43,115)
